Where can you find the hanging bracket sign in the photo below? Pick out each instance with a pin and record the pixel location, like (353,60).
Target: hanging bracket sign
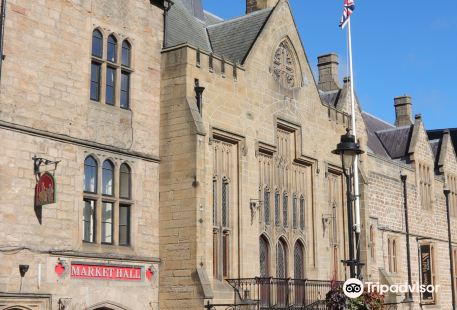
(45,190)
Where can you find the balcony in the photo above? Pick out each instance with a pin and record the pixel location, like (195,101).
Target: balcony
(276,293)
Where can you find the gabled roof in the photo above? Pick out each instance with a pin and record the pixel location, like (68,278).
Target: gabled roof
(187,22)
(182,26)
(396,141)
(374,124)
(438,134)
(234,38)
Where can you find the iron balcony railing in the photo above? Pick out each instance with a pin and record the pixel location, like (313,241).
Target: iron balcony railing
(278,293)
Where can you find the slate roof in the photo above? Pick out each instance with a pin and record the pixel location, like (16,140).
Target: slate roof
(330,97)
(187,22)
(234,38)
(438,134)
(374,124)
(396,141)
(182,26)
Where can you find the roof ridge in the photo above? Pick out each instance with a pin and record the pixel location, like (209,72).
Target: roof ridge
(393,129)
(379,119)
(240,17)
(213,15)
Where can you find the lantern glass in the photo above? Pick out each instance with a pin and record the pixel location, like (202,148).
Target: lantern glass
(347,158)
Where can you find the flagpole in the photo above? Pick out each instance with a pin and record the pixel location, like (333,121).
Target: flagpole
(354,132)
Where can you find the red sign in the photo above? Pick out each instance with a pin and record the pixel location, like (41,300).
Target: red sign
(45,190)
(105,272)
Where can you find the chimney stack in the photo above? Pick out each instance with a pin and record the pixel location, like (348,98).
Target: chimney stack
(403,111)
(328,72)
(255,5)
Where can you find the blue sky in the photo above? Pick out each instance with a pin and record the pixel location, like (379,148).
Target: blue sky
(401,47)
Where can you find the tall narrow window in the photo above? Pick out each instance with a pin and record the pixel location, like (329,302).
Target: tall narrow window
(90,175)
(372,243)
(124,180)
(392,255)
(225,204)
(264,257)
(112,49)
(107,178)
(89,221)
(277,212)
(216,253)
(285,210)
(97,43)
(302,213)
(107,223)
(126,53)
(110,85)
(225,255)
(95,81)
(295,212)
(124,225)
(298,261)
(125,90)
(266,206)
(95,74)
(214,202)
(281,260)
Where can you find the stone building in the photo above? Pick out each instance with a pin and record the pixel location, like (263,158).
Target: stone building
(79,100)
(249,188)
(192,162)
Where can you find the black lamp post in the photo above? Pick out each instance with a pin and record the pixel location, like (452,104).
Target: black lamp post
(348,149)
(451,260)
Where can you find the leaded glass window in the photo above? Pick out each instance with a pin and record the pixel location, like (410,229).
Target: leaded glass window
(90,175)
(266,206)
(112,49)
(107,223)
(110,85)
(298,261)
(294,212)
(124,180)
(125,90)
(302,213)
(126,53)
(124,225)
(97,43)
(277,212)
(281,258)
(264,257)
(107,178)
(225,204)
(89,221)
(285,210)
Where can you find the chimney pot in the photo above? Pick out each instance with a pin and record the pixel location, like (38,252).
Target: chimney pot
(328,72)
(403,111)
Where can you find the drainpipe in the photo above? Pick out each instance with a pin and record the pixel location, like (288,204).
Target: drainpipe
(409,296)
(2,34)
(451,260)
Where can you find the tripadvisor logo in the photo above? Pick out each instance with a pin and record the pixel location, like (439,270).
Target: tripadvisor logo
(353,288)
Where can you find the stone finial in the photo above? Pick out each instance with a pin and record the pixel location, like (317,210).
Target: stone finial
(403,111)
(328,72)
(255,5)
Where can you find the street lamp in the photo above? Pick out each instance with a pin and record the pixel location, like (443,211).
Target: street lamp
(348,149)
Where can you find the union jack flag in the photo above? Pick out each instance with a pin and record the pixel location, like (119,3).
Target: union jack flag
(349,7)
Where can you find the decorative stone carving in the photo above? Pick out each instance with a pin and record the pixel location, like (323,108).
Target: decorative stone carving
(284,65)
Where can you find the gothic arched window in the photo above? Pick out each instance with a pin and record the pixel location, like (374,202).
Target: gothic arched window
(281,259)
(264,256)
(299,261)
(284,65)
